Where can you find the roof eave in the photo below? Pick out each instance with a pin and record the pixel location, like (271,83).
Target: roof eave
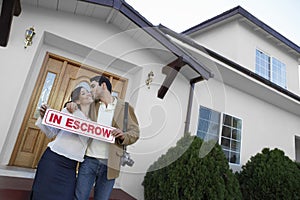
(158,35)
(230,63)
(250,17)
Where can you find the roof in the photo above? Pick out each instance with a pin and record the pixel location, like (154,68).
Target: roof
(142,22)
(241,11)
(108,10)
(235,73)
(228,62)
(183,57)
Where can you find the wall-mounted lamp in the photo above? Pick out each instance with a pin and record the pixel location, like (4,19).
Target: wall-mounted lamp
(149,79)
(29,33)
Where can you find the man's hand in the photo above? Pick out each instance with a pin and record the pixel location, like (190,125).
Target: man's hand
(43,109)
(117,133)
(71,107)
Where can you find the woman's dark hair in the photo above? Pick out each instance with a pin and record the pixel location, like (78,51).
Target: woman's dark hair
(75,96)
(102,79)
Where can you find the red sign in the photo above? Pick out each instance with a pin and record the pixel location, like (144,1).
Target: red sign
(78,126)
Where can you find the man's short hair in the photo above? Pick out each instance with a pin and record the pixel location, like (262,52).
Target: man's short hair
(102,79)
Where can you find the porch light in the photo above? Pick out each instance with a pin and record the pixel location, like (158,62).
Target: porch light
(29,33)
(149,79)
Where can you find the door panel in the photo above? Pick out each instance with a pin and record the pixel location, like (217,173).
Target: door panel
(57,78)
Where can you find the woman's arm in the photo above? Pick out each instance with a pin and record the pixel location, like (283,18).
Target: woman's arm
(50,132)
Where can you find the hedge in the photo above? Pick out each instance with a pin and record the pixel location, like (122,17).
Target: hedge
(191,177)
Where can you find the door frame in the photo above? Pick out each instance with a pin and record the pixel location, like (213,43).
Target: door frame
(38,85)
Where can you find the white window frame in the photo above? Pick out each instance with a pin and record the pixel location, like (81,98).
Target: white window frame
(271,68)
(220,135)
(221,114)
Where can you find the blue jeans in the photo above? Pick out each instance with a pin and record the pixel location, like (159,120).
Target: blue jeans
(92,171)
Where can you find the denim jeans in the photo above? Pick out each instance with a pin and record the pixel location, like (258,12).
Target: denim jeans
(92,171)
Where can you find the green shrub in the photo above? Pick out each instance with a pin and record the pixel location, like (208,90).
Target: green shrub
(190,177)
(270,175)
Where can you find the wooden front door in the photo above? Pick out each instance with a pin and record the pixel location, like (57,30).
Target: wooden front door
(57,78)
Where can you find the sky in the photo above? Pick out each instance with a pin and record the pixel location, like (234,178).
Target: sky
(281,15)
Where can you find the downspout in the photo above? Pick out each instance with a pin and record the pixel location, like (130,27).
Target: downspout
(190,104)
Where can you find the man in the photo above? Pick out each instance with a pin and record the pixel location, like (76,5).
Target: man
(102,161)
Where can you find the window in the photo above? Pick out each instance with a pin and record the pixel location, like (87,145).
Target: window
(270,68)
(278,73)
(228,134)
(44,97)
(263,64)
(209,124)
(231,138)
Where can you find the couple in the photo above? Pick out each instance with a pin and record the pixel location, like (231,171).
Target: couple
(100,161)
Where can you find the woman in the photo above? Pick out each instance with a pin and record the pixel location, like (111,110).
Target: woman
(55,177)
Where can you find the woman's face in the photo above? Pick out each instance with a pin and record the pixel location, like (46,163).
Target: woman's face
(85,97)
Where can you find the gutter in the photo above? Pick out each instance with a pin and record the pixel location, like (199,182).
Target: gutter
(190,104)
(228,62)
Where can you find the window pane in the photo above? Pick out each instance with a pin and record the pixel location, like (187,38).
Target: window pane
(262,65)
(226,154)
(203,125)
(237,123)
(209,124)
(226,132)
(234,158)
(201,134)
(204,113)
(225,143)
(213,128)
(215,117)
(227,120)
(85,85)
(231,138)
(235,146)
(44,97)
(236,134)
(278,73)
(209,137)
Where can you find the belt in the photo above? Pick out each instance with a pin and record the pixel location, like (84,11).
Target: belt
(100,159)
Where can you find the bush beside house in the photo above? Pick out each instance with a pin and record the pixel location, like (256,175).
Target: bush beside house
(190,177)
(270,175)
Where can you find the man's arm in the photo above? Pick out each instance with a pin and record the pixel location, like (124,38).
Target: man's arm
(133,131)
(71,106)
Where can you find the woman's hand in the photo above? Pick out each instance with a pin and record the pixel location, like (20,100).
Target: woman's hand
(43,109)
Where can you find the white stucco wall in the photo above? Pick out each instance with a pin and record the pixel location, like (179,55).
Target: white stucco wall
(161,121)
(263,124)
(238,42)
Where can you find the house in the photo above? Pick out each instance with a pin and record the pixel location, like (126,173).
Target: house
(213,80)
(258,80)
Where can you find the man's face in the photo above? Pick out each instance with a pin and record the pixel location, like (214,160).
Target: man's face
(96,90)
